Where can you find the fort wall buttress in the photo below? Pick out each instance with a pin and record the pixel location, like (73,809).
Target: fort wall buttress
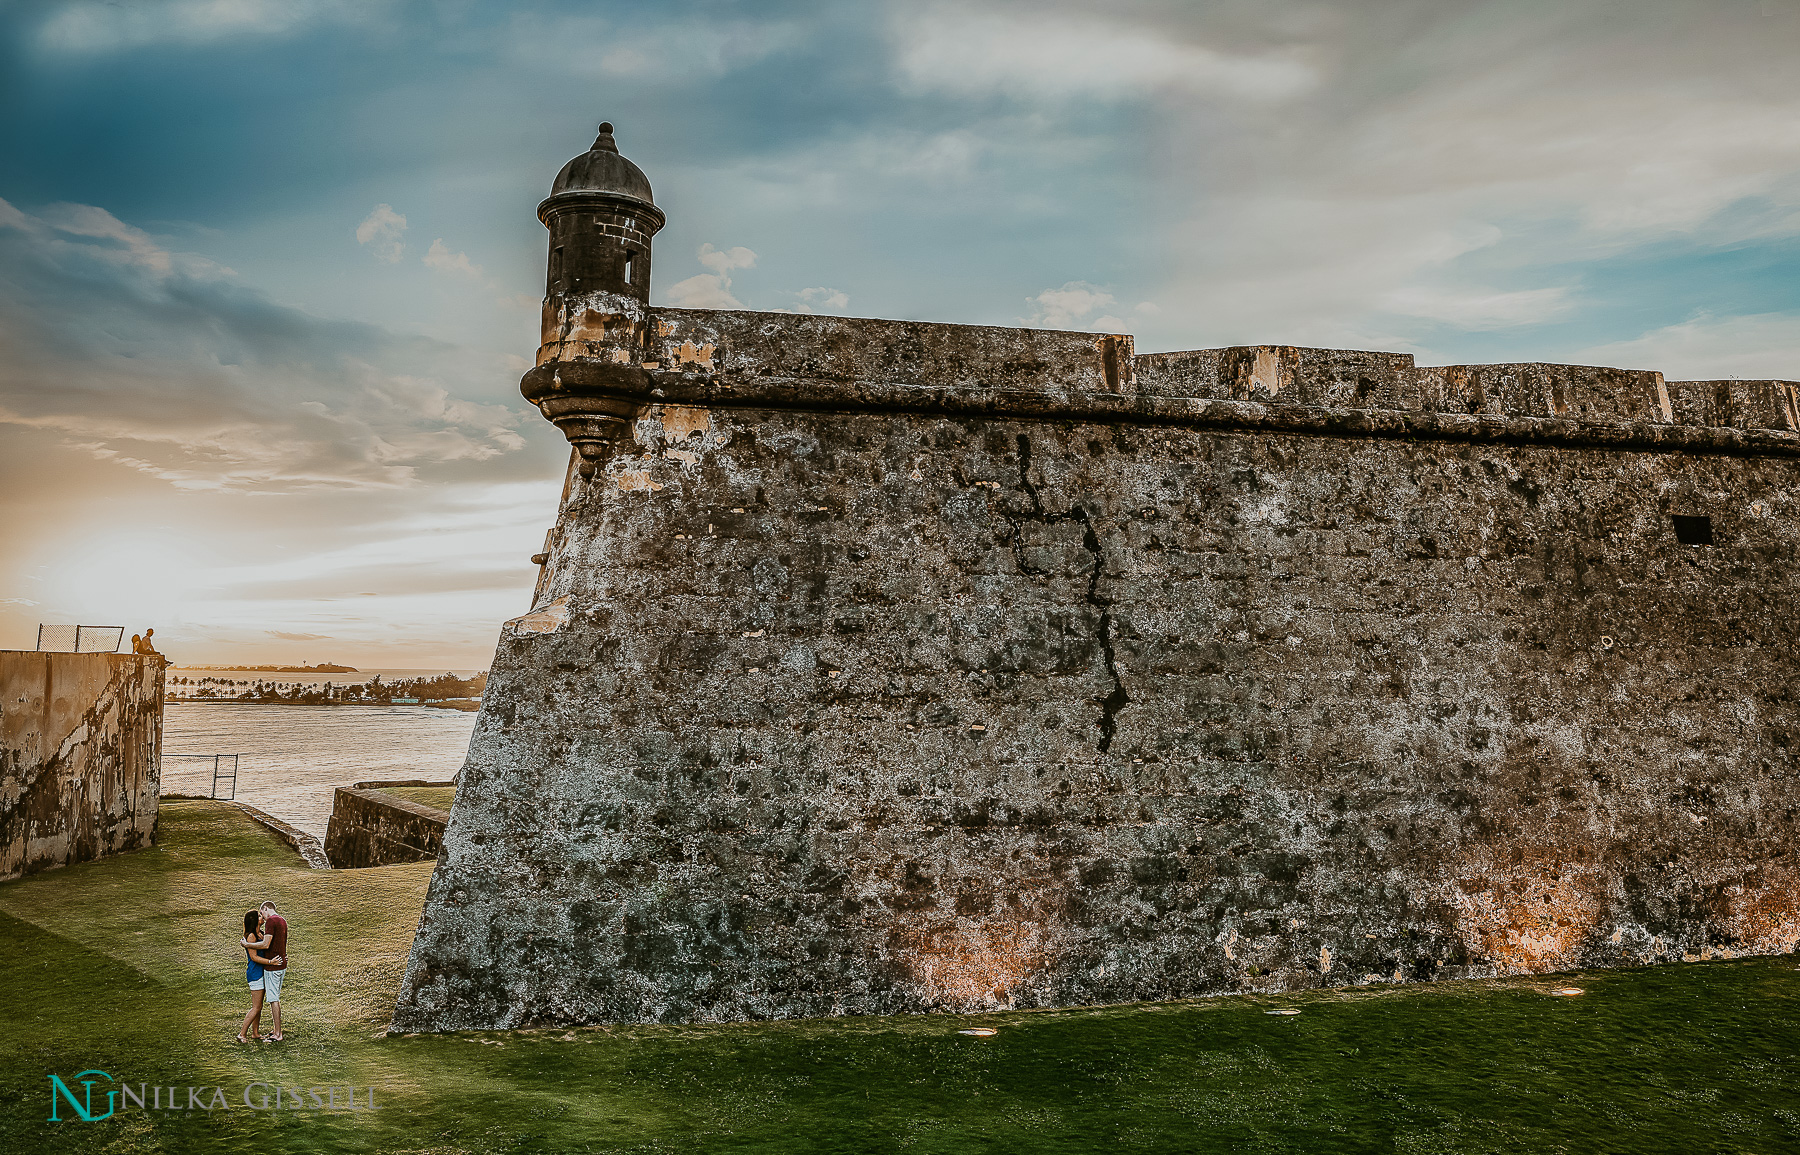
(884,667)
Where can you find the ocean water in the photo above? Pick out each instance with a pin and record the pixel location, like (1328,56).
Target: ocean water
(291,758)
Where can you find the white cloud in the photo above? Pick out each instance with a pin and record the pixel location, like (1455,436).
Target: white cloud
(1419,156)
(107,27)
(676,50)
(381,231)
(965,50)
(1069,306)
(820,299)
(166,364)
(439,257)
(627,61)
(722,261)
(932,159)
(711,290)
(1476,310)
(1758,347)
(702,291)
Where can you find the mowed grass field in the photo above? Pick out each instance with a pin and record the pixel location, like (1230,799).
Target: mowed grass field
(131,966)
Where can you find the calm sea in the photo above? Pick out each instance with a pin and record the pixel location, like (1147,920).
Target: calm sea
(290,758)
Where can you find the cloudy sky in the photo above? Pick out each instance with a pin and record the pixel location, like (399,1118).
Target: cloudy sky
(269,269)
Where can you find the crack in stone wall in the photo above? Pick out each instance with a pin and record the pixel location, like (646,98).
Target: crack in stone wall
(1117,698)
(808,727)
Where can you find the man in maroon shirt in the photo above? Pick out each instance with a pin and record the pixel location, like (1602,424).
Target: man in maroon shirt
(274,972)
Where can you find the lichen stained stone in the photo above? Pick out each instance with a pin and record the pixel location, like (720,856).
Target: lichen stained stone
(881,666)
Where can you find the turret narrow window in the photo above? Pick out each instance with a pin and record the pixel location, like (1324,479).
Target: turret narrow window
(556,268)
(628,268)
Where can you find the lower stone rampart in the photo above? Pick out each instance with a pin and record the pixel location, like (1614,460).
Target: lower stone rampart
(369,828)
(825,710)
(80,756)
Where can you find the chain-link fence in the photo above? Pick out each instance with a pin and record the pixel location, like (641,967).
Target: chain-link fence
(81,639)
(200,775)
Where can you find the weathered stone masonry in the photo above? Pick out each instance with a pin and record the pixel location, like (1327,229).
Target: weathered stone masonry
(371,828)
(80,756)
(882,667)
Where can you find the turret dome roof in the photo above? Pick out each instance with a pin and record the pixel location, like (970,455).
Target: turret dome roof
(601,169)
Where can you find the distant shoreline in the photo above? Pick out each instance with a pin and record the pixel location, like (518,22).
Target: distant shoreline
(439,703)
(327,668)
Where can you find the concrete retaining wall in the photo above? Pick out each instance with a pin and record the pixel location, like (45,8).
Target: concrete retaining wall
(369,828)
(80,756)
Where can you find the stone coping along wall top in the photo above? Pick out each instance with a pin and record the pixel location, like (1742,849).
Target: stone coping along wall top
(384,783)
(778,360)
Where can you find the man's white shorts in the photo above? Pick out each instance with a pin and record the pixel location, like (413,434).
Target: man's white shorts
(272,985)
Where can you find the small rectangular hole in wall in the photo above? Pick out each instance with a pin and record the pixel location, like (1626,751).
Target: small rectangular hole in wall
(628,268)
(1693,530)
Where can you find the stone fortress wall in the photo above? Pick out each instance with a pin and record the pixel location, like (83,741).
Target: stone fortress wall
(80,756)
(848,690)
(371,828)
(883,666)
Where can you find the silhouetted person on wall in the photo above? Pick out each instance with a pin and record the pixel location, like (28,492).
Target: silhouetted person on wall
(145,645)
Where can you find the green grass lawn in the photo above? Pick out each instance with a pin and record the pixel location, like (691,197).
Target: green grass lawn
(438,797)
(131,965)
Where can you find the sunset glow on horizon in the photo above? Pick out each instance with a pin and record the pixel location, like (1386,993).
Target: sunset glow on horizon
(269,273)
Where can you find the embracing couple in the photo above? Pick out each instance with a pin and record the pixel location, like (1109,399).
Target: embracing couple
(265,942)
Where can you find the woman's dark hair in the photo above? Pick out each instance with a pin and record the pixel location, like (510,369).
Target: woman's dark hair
(250,919)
